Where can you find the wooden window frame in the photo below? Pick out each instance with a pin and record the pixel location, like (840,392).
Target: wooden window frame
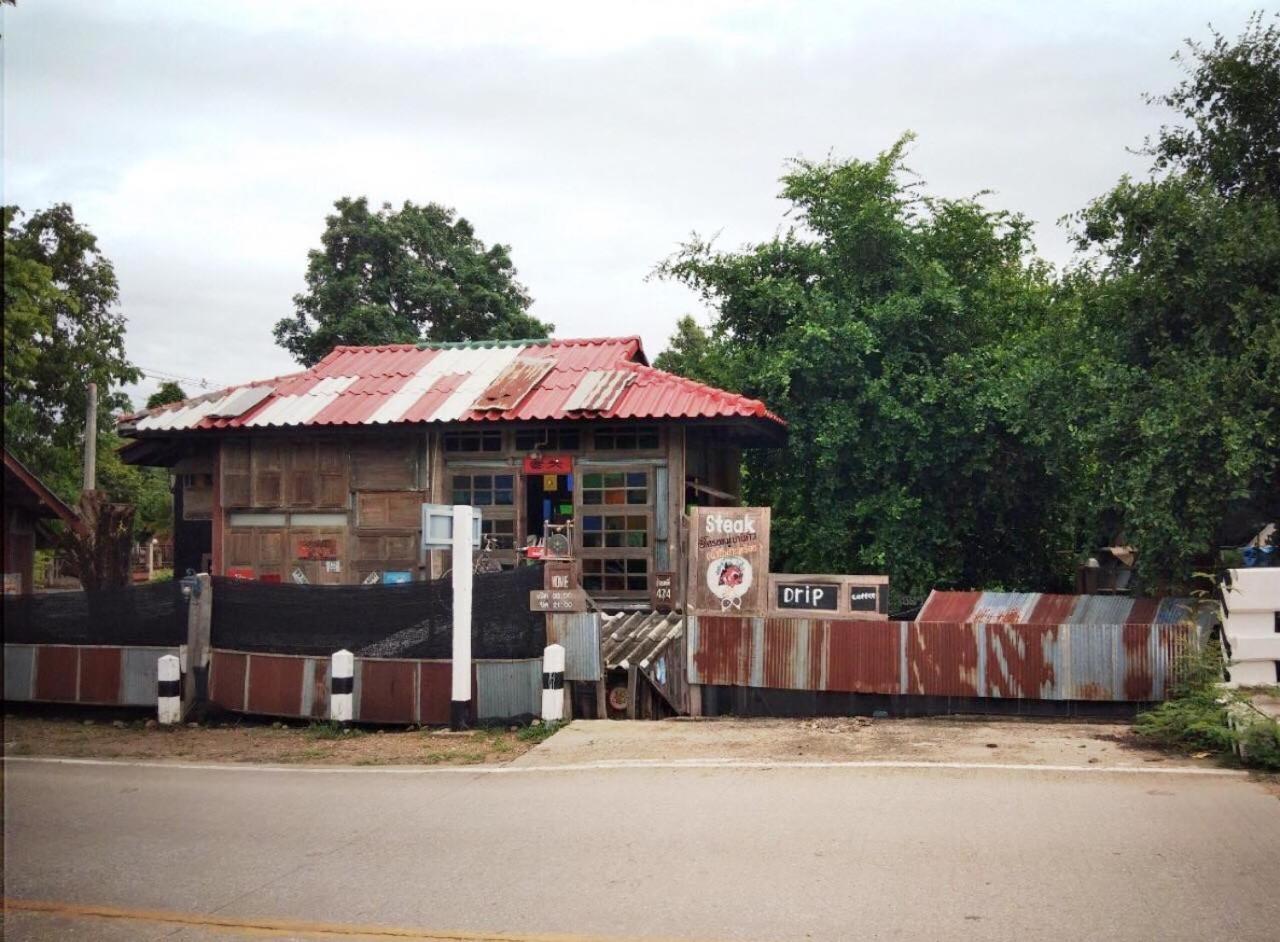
(623,554)
(480,435)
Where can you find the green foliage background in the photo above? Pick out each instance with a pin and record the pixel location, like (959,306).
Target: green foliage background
(961,414)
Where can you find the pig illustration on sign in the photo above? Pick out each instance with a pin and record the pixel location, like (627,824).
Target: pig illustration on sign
(729,579)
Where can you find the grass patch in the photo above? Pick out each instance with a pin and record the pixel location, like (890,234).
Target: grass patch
(1196,717)
(328,729)
(537,734)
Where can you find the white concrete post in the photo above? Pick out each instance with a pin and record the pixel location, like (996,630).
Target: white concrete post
(553,683)
(460,705)
(342,680)
(168,698)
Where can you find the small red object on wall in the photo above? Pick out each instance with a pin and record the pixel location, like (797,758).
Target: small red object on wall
(549,464)
(240,572)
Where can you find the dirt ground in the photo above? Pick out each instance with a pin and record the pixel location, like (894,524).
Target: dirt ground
(934,739)
(322,744)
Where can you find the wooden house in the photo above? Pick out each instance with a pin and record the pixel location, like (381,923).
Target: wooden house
(29,506)
(320,476)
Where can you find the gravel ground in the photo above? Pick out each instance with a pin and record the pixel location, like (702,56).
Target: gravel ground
(259,742)
(935,739)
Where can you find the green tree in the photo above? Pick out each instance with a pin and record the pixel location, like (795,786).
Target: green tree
(881,328)
(1179,285)
(417,273)
(168,392)
(63,329)
(688,350)
(70,333)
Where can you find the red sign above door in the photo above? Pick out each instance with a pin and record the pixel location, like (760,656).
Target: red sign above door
(549,464)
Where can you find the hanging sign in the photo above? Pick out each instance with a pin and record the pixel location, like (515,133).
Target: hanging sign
(325,548)
(730,559)
(662,593)
(549,464)
(558,576)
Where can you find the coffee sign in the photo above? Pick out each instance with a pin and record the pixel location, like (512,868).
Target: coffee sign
(729,559)
(869,598)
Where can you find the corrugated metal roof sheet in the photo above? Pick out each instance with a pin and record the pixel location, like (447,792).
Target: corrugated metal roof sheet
(603,378)
(1035,608)
(636,639)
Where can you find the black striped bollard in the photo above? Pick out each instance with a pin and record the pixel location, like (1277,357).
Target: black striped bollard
(342,686)
(168,694)
(553,683)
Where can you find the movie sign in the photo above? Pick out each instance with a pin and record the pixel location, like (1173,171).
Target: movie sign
(730,559)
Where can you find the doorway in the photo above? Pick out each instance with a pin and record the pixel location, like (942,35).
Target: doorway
(548,499)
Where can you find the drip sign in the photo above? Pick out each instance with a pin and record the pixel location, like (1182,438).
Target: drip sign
(807,596)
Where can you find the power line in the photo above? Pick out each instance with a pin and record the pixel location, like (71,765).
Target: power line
(202,382)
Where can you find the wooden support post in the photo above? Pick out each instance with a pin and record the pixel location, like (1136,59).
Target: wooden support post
(199,625)
(460,706)
(631,692)
(602,700)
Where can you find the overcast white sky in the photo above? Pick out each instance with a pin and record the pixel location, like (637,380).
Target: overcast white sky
(204,142)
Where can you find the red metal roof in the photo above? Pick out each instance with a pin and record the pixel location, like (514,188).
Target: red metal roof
(406,383)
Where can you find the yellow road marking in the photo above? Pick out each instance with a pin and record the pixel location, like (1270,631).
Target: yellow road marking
(266,927)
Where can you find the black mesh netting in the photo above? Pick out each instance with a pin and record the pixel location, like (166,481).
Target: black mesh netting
(145,615)
(413,620)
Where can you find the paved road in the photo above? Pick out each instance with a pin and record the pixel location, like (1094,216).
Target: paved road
(701,853)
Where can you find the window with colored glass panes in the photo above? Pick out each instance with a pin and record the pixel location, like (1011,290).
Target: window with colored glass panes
(615,531)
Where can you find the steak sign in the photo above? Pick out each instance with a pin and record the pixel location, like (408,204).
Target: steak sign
(729,557)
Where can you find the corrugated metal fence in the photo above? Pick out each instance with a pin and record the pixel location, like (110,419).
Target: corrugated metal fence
(1133,662)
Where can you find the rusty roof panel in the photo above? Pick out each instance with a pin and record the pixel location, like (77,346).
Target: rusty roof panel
(514,383)
(1009,607)
(948,606)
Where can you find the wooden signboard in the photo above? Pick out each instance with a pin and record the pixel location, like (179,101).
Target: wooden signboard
(662,594)
(729,560)
(557,600)
(549,464)
(834,596)
(323,548)
(557,576)
(807,596)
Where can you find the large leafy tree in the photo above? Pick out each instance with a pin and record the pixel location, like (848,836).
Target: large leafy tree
(62,330)
(168,392)
(1179,285)
(881,328)
(417,273)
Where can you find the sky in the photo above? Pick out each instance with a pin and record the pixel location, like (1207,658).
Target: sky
(204,143)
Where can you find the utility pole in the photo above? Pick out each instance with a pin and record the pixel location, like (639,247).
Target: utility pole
(91,440)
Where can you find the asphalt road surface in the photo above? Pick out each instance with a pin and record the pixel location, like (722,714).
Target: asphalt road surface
(780,853)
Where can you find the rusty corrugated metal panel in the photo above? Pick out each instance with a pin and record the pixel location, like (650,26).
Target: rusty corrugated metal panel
(226,679)
(275,684)
(1094,654)
(99,675)
(948,606)
(1101,610)
(514,383)
(1024,661)
(1051,609)
(859,656)
(386,690)
(56,673)
(785,654)
(943,659)
(508,689)
(579,634)
(720,650)
(1009,607)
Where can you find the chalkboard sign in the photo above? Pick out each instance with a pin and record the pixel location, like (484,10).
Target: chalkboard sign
(869,598)
(807,596)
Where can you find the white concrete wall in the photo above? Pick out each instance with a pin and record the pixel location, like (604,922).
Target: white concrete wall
(1250,625)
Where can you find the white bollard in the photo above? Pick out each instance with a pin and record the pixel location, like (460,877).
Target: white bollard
(342,685)
(460,702)
(168,696)
(553,683)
